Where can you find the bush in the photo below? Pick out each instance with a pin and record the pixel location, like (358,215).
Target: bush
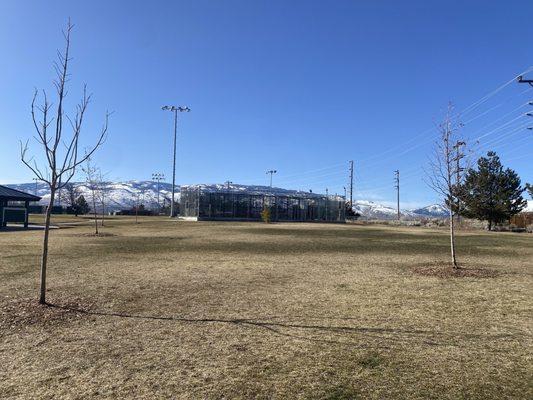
(266,216)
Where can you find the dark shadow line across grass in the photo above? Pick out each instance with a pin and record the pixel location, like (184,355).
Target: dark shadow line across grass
(275,327)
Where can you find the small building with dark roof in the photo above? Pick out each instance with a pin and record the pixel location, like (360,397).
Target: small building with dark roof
(14,206)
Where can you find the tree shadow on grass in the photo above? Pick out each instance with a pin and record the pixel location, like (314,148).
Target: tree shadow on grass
(316,332)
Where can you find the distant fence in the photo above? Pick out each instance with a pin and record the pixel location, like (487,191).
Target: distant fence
(522,220)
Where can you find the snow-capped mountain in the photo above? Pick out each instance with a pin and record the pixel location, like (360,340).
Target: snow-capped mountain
(126,194)
(372,210)
(121,195)
(434,210)
(252,189)
(118,194)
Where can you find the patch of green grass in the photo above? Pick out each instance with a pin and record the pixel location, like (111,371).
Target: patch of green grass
(371,360)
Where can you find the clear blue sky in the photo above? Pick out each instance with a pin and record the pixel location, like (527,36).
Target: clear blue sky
(296,86)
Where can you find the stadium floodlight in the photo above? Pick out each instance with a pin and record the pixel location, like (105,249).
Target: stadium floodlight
(175,110)
(271,172)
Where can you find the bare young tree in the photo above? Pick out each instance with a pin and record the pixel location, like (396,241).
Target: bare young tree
(61,151)
(104,188)
(92,182)
(446,171)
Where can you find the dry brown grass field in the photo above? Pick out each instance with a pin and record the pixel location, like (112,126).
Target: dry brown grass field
(167,309)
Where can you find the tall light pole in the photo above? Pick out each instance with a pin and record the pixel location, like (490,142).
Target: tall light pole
(36,180)
(271,172)
(158,177)
(175,110)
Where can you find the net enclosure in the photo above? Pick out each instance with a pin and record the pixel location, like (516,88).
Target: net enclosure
(201,204)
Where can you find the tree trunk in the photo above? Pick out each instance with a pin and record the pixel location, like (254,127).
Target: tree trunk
(95,217)
(44,257)
(490,225)
(452,240)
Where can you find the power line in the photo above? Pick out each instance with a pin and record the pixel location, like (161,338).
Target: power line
(499,139)
(463,113)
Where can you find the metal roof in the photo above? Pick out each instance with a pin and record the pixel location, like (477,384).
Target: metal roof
(7,193)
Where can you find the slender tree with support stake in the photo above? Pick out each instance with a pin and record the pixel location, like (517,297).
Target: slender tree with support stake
(93,184)
(61,151)
(446,172)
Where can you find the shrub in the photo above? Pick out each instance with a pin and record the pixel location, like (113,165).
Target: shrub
(266,216)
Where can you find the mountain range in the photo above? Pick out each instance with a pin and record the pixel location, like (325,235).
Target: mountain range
(126,194)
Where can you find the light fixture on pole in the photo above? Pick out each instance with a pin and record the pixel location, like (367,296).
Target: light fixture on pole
(271,172)
(158,177)
(175,110)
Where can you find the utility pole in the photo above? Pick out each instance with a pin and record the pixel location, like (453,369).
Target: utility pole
(35,190)
(458,156)
(271,172)
(397,186)
(327,201)
(175,110)
(158,177)
(351,184)
(228,183)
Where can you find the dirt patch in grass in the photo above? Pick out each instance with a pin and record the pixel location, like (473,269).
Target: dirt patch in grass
(445,271)
(18,313)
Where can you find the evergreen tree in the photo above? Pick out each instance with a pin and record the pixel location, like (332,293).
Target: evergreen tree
(530,189)
(81,206)
(491,193)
